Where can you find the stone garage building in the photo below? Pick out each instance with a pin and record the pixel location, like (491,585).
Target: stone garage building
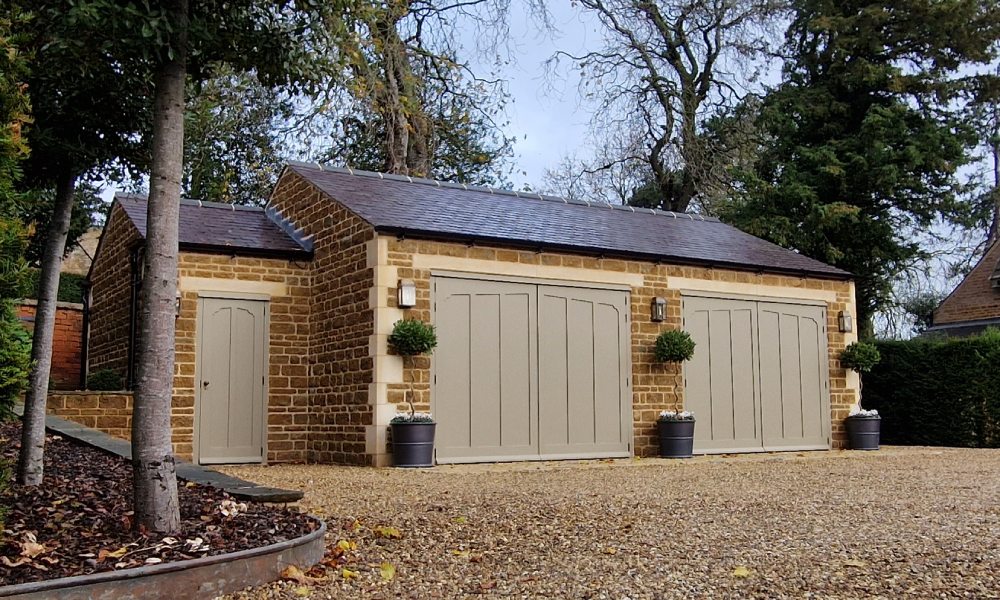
(543,312)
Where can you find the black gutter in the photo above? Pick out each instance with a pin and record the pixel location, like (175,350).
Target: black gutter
(244,251)
(585,251)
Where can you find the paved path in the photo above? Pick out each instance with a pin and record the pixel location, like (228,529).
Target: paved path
(238,488)
(899,523)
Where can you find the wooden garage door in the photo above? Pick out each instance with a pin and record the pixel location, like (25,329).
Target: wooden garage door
(758,379)
(526,371)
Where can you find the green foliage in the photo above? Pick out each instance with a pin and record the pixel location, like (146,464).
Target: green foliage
(36,211)
(413,417)
(674,346)
(104,380)
(938,392)
(14,273)
(71,286)
(411,337)
(15,356)
(232,146)
(860,356)
(858,149)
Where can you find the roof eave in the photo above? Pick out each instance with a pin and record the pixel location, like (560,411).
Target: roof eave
(590,251)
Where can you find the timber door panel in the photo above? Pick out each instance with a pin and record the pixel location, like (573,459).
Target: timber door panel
(720,383)
(793,377)
(584,407)
(485,395)
(758,378)
(232,359)
(528,371)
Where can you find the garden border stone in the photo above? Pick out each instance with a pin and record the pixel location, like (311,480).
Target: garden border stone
(205,577)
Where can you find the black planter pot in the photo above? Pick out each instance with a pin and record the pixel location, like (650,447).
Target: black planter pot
(413,444)
(863,432)
(676,438)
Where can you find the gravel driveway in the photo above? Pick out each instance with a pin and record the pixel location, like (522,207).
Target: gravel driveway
(898,523)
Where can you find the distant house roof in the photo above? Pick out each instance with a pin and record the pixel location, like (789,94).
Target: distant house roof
(975,303)
(222,228)
(438,210)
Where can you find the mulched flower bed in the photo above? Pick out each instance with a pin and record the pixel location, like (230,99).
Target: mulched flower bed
(80,520)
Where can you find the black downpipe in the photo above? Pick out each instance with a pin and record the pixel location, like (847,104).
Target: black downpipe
(85,337)
(135,273)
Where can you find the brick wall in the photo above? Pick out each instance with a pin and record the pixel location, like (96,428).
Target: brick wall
(975,298)
(110,412)
(340,363)
(111,296)
(67,342)
(653,382)
(288,285)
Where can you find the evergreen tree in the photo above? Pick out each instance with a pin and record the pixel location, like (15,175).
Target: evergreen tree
(861,143)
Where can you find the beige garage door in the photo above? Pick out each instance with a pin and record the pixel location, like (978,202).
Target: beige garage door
(525,371)
(759,376)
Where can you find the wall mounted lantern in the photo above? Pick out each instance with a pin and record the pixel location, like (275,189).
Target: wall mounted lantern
(406,293)
(846,322)
(659,309)
(177,304)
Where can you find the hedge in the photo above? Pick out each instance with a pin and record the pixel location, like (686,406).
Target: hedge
(71,286)
(938,392)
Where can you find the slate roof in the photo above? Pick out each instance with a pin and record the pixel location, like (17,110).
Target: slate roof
(222,228)
(437,210)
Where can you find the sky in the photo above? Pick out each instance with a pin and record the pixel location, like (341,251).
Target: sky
(545,113)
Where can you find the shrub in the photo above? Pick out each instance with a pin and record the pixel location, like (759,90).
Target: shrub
(674,346)
(71,286)
(15,357)
(860,356)
(104,380)
(411,337)
(938,392)
(412,417)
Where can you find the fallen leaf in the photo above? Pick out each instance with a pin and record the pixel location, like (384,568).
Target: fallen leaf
(461,553)
(106,554)
(14,563)
(293,573)
(152,560)
(346,546)
(356,525)
(349,574)
(303,592)
(388,532)
(741,572)
(31,549)
(387,571)
(611,551)
(460,520)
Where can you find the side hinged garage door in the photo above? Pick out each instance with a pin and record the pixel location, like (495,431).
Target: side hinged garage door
(759,376)
(528,371)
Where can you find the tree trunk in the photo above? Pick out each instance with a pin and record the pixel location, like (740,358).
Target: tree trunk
(994,231)
(154,470)
(29,464)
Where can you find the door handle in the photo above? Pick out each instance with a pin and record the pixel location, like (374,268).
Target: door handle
(204,385)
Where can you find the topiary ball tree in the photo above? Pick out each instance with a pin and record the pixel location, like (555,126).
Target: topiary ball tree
(674,346)
(860,357)
(412,337)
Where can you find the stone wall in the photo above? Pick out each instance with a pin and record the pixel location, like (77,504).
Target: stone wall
(287,285)
(111,296)
(110,412)
(67,342)
(652,382)
(340,362)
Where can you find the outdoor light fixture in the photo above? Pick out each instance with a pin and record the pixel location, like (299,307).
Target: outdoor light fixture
(406,293)
(177,304)
(845,322)
(659,309)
